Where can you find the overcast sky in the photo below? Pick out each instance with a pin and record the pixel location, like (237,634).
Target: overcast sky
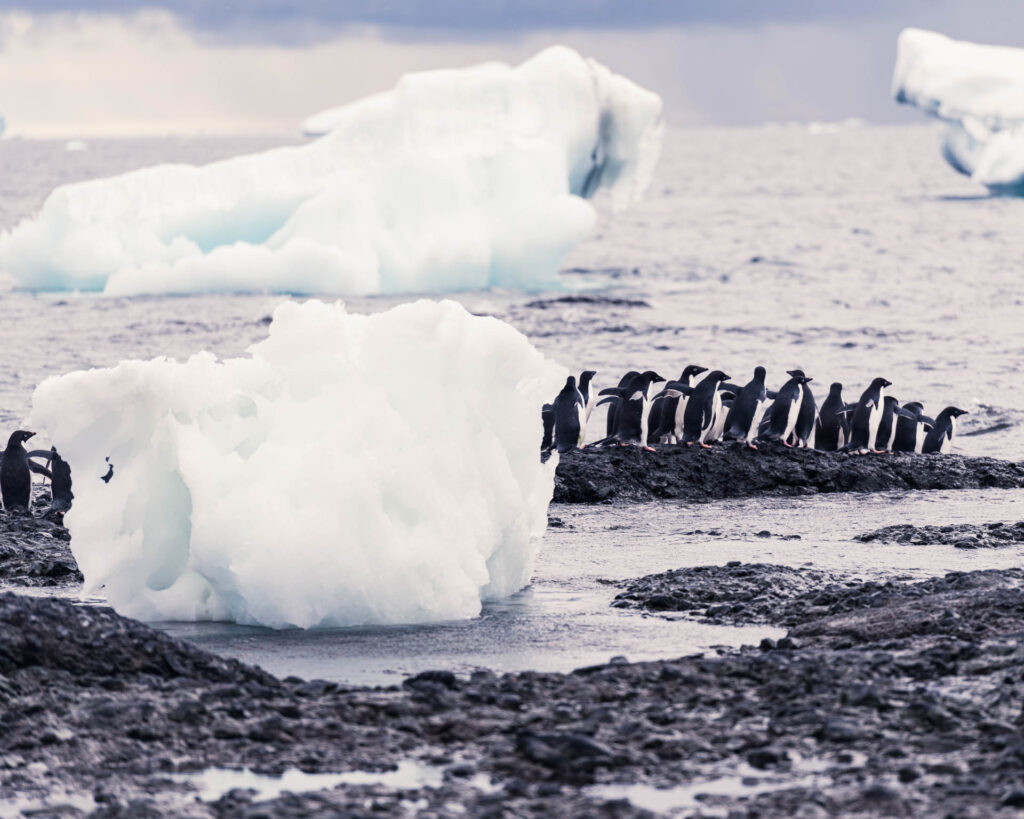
(122,67)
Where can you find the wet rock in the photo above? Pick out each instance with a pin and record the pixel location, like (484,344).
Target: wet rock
(594,475)
(34,547)
(961,535)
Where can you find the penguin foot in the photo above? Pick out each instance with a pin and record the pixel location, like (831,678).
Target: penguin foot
(650,449)
(786,443)
(878,451)
(706,446)
(751,445)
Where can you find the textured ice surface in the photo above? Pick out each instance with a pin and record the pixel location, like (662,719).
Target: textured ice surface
(979,90)
(453,180)
(352,469)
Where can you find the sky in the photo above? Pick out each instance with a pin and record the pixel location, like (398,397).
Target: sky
(81,68)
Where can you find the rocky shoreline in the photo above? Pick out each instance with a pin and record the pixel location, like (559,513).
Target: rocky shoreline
(892,698)
(602,475)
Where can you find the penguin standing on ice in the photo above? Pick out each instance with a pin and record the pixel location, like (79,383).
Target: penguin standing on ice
(940,439)
(803,431)
(748,408)
(569,417)
(703,409)
(867,415)
(16,472)
(632,404)
(833,427)
(785,410)
(911,431)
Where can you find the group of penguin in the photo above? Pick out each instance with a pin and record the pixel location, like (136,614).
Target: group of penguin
(17,466)
(702,406)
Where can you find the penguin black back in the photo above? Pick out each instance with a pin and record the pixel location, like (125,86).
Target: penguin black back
(568,417)
(940,439)
(745,414)
(833,427)
(868,415)
(908,429)
(15,472)
(60,483)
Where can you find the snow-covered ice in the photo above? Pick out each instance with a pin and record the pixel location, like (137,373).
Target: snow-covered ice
(979,91)
(352,469)
(453,180)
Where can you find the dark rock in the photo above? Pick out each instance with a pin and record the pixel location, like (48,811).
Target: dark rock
(960,535)
(593,474)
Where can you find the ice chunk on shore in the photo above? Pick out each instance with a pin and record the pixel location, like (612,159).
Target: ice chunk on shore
(979,90)
(351,469)
(453,180)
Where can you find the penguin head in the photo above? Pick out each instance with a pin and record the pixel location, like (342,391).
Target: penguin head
(760,373)
(881,382)
(570,382)
(795,373)
(19,437)
(690,371)
(956,412)
(836,388)
(718,375)
(914,406)
(586,375)
(651,376)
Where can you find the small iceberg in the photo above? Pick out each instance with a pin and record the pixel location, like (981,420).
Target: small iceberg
(350,470)
(979,91)
(454,180)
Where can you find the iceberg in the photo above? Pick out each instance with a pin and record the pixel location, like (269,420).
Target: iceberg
(453,180)
(979,91)
(351,469)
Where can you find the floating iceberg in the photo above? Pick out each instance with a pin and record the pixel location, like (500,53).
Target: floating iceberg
(455,179)
(979,91)
(351,469)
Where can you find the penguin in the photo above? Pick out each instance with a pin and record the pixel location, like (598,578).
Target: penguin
(744,418)
(61,495)
(15,472)
(911,432)
(940,439)
(803,432)
(633,406)
(110,471)
(610,421)
(586,393)
(570,420)
(867,415)
(887,426)
(689,378)
(547,417)
(702,409)
(785,410)
(832,430)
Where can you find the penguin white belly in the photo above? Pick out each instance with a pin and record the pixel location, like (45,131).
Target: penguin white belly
(875,420)
(892,434)
(645,417)
(814,431)
(711,423)
(718,427)
(794,414)
(680,411)
(755,421)
(582,413)
(840,438)
(919,437)
(947,439)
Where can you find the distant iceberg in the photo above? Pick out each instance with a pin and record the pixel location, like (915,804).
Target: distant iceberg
(455,179)
(350,469)
(979,91)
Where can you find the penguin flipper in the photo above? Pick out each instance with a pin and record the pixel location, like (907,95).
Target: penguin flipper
(611,399)
(771,395)
(41,453)
(727,387)
(40,469)
(619,391)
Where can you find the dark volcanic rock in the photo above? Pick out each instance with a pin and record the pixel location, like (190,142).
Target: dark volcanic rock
(594,475)
(961,535)
(903,699)
(35,549)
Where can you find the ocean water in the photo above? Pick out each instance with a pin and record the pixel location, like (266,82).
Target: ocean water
(849,252)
